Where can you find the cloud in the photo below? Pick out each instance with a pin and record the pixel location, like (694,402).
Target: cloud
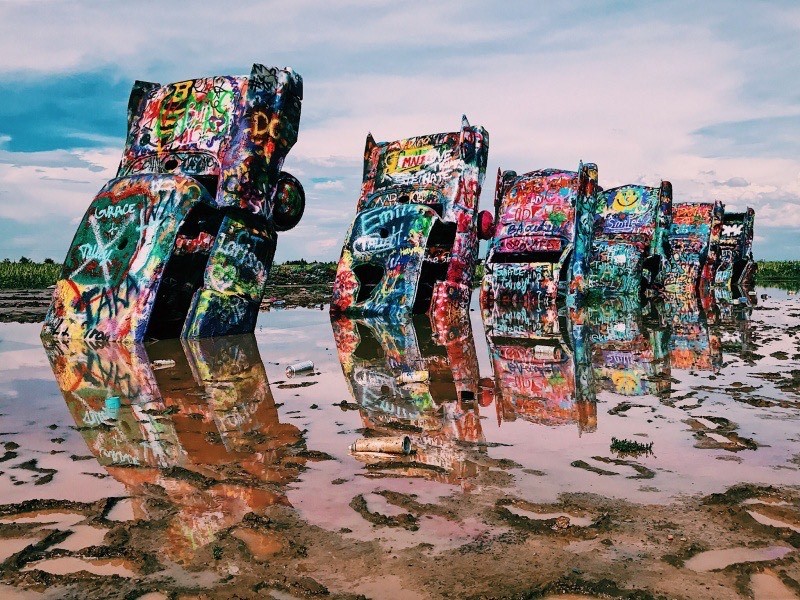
(329,184)
(702,94)
(734,182)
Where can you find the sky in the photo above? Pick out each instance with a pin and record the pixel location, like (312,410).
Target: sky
(704,94)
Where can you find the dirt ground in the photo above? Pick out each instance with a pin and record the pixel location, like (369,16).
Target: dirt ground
(618,550)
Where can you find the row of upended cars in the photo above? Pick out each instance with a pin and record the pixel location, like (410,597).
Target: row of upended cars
(181,241)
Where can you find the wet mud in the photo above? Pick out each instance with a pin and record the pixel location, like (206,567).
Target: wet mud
(674,474)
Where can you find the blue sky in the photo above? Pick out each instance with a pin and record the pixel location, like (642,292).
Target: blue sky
(703,94)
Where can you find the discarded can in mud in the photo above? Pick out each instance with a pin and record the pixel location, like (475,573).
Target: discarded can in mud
(385,445)
(300,367)
(413,377)
(162,364)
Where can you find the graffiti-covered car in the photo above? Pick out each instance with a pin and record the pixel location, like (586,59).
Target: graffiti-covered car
(534,232)
(181,241)
(414,241)
(737,267)
(694,237)
(621,239)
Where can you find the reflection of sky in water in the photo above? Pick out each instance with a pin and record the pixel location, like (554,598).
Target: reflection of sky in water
(30,401)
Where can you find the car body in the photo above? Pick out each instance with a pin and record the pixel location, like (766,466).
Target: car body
(413,244)
(534,231)
(621,240)
(181,241)
(694,240)
(737,267)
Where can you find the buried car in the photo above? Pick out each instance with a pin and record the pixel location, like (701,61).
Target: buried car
(621,240)
(534,232)
(694,237)
(181,241)
(413,244)
(737,267)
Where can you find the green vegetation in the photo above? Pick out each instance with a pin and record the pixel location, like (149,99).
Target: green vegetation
(26,274)
(301,272)
(770,271)
(630,447)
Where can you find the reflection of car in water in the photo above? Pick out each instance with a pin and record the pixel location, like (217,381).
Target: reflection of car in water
(629,357)
(529,254)
(737,269)
(414,241)
(541,368)
(181,241)
(692,344)
(438,409)
(694,236)
(732,322)
(209,414)
(621,239)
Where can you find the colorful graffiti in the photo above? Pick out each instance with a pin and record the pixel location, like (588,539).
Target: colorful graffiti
(534,232)
(736,267)
(182,240)
(210,414)
(384,362)
(414,241)
(622,243)
(694,238)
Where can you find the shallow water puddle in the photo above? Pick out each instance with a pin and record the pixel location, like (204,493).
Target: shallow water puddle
(388,588)
(536,516)
(261,545)
(713,560)
(83,536)
(51,519)
(72,564)
(772,522)
(122,511)
(10,546)
(768,586)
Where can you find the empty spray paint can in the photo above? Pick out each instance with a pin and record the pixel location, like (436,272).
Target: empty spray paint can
(412,377)
(385,445)
(300,367)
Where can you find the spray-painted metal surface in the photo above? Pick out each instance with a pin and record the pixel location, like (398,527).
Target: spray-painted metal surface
(382,361)
(529,254)
(182,240)
(737,267)
(621,240)
(413,244)
(541,367)
(694,240)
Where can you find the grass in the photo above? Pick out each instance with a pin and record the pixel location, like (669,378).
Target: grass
(26,274)
(770,271)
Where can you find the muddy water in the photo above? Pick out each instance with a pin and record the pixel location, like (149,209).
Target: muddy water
(177,476)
